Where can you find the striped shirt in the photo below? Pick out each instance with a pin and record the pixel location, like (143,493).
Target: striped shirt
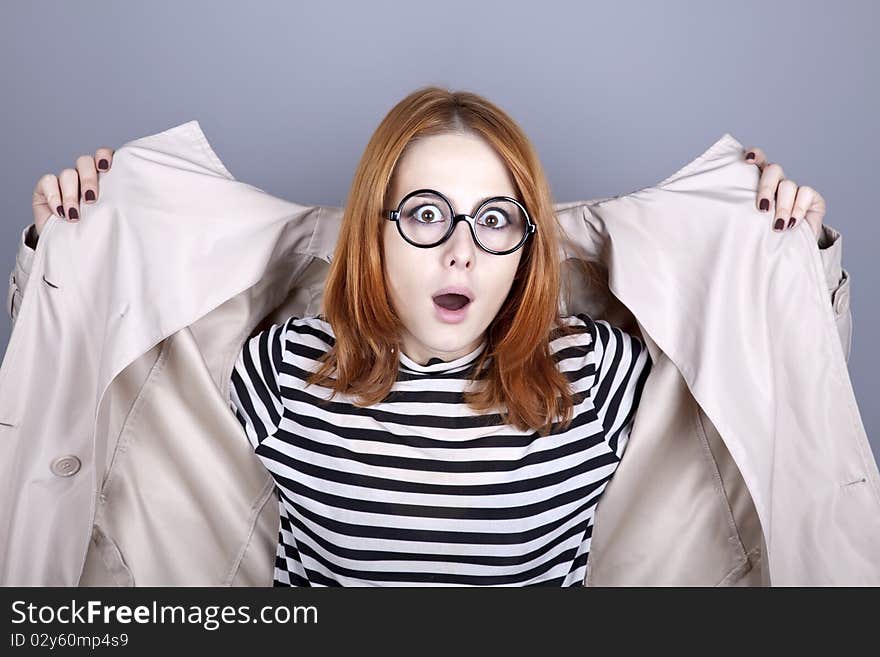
(420,489)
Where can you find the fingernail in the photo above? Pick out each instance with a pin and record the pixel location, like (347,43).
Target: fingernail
(74,215)
(59,210)
(103,164)
(90,195)
(765,204)
(750,156)
(791,222)
(779,224)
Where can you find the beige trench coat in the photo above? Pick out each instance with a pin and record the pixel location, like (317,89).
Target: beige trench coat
(121,462)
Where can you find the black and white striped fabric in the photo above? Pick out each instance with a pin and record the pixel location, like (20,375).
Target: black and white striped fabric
(419,490)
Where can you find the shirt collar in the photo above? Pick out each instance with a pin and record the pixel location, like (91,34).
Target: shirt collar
(435,365)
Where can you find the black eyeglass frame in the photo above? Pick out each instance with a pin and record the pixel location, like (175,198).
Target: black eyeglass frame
(394,215)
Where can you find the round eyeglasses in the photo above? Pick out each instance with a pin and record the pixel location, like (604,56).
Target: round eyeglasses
(425,218)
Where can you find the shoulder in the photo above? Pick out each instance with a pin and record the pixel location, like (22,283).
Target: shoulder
(581,329)
(612,371)
(574,337)
(597,348)
(578,332)
(311,329)
(257,391)
(274,344)
(294,339)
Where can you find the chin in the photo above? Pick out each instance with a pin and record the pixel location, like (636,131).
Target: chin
(453,340)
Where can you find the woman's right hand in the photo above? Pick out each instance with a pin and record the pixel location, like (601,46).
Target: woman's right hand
(61,194)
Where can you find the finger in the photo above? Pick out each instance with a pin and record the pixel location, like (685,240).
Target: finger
(48,186)
(770,177)
(802,202)
(816,212)
(759,157)
(88,178)
(785,194)
(69,180)
(104,158)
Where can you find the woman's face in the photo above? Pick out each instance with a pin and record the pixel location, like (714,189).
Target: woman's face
(467,171)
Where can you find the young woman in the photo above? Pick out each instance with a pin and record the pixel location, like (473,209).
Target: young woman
(414,440)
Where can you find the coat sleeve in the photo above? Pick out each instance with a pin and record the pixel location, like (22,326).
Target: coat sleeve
(837,282)
(18,279)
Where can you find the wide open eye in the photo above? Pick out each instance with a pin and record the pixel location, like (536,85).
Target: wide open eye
(494,217)
(427,213)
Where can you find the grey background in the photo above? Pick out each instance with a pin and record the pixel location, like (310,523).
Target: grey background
(615,95)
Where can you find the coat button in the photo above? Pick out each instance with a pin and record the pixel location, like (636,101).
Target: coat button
(65,466)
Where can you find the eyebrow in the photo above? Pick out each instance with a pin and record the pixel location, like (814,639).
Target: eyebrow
(475,206)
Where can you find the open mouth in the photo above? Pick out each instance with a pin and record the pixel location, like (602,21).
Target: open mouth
(451,301)
(451,308)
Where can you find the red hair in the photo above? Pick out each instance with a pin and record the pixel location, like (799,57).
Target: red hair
(521,381)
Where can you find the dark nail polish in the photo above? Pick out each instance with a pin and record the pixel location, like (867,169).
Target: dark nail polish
(59,210)
(90,195)
(750,156)
(103,164)
(765,204)
(791,222)
(779,223)
(73,213)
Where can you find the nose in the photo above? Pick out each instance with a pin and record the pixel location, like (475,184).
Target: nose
(461,235)
(460,247)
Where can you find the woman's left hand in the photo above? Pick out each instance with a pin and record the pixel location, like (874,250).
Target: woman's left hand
(792,204)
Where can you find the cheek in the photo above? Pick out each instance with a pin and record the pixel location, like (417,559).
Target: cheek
(508,274)
(503,282)
(401,268)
